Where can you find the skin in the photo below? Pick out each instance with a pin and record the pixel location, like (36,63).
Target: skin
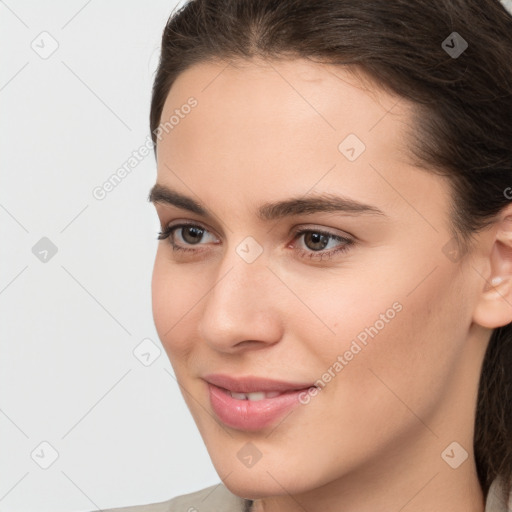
(372,439)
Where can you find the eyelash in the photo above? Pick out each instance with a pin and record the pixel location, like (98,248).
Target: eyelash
(304,253)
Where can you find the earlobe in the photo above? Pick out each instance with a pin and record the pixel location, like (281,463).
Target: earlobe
(494,307)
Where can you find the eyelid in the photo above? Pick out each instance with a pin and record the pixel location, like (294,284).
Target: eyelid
(325,230)
(294,232)
(168,211)
(180,223)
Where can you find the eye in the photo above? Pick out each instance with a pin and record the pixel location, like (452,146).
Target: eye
(316,241)
(185,234)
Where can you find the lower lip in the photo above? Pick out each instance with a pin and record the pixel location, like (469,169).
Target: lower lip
(248,414)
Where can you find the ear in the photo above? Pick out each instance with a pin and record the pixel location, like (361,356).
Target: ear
(494,306)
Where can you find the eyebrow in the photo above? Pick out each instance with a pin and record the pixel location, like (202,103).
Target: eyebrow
(272,210)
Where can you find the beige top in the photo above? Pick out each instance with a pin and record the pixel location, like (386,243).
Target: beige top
(218,498)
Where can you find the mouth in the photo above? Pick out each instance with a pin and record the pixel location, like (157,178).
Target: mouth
(256,396)
(252,403)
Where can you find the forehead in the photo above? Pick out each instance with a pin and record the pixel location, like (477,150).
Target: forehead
(259,127)
(284,102)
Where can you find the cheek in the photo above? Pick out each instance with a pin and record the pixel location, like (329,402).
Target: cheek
(408,363)
(174,296)
(336,308)
(409,336)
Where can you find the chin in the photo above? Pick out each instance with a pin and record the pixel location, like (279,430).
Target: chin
(263,480)
(253,487)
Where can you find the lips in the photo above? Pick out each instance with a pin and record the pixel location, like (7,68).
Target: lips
(252,403)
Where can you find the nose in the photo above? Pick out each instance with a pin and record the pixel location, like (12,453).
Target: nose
(242,309)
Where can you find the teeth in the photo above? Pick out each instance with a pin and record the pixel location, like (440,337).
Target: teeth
(254,397)
(238,396)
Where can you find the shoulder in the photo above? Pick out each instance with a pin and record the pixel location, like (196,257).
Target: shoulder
(216,498)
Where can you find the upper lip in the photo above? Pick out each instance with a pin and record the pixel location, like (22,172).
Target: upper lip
(252,384)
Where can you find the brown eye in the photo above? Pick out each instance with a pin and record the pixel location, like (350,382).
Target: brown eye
(316,241)
(182,236)
(318,244)
(192,234)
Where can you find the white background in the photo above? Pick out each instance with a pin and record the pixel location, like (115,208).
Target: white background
(68,326)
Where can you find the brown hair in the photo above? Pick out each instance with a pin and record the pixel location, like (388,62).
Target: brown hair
(462,125)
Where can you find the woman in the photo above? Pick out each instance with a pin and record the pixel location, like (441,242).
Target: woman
(333,285)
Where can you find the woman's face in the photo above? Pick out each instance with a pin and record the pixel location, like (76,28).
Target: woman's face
(321,257)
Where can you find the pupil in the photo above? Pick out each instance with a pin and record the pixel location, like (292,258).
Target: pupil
(317,238)
(195,234)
